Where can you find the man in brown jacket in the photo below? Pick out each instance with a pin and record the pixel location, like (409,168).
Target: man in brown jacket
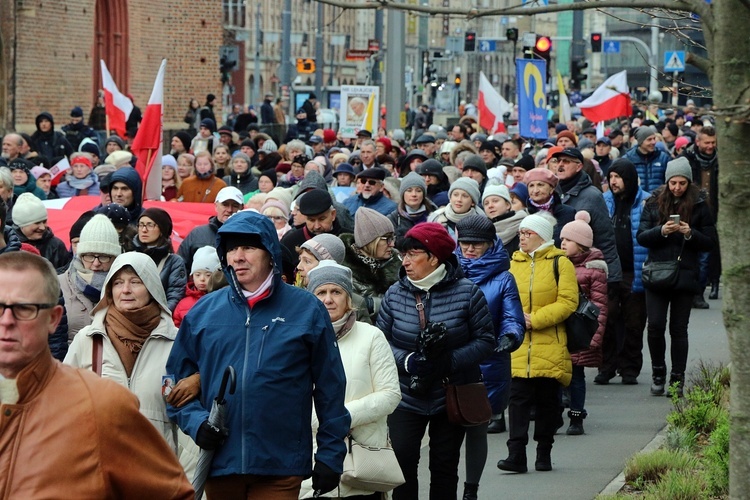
(66,432)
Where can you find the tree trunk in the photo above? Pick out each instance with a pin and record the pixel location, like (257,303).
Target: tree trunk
(731,85)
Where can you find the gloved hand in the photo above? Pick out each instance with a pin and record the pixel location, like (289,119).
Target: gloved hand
(324,479)
(418,365)
(505,344)
(209,437)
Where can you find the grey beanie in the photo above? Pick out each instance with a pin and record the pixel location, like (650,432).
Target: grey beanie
(679,167)
(469,185)
(644,133)
(413,179)
(475,162)
(326,247)
(242,156)
(329,272)
(369,225)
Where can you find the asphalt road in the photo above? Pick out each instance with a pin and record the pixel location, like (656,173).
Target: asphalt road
(622,420)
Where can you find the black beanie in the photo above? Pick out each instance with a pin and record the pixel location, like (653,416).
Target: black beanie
(161,218)
(184,138)
(234,240)
(475,228)
(271,174)
(626,170)
(77,227)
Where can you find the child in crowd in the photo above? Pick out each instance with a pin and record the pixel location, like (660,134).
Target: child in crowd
(591,271)
(464,199)
(205,263)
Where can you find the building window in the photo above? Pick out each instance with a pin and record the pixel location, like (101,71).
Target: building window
(234,13)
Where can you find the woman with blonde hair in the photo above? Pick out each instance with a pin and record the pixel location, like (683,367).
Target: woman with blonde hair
(185,166)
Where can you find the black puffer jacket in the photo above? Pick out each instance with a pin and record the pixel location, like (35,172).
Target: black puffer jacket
(50,246)
(661,249)
(458,303)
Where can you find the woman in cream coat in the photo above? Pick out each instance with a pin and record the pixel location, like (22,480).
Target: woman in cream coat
(372,389)
(137,332)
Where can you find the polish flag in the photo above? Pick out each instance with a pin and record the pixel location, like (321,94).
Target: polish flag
(147,144)
(116,105)
(491,106)
(609,101)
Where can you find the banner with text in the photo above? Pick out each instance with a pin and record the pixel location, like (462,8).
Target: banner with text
(358,109)
(532,98)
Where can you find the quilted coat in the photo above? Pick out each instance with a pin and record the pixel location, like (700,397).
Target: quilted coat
(491,273)
(544,352)
(639,253)
(458,303)
(591,271)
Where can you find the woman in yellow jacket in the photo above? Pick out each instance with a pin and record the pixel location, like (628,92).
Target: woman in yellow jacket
(542,362)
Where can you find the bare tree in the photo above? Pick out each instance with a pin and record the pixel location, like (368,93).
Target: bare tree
(724,24)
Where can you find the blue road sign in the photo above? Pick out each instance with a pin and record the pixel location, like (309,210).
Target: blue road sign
(674,61)
(487,45)
(611,47)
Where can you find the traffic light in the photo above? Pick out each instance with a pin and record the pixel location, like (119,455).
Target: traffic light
(576,74)
(511,34)
(543,50)
(470,41)
(596,42)
(457,80)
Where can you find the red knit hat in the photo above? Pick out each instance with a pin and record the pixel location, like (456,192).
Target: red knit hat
(329,135)
(434,238)
(386,142)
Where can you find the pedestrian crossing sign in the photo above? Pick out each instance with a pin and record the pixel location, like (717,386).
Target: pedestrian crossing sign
(674,61)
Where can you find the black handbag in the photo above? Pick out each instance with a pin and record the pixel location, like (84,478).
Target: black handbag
(581,326)
(662,276)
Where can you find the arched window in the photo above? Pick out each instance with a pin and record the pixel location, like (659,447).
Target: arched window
(111,42)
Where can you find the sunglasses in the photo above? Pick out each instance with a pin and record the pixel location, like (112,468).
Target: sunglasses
(371,182)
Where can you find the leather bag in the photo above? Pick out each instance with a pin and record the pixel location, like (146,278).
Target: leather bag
(467,404)
(371,468)
(662,276)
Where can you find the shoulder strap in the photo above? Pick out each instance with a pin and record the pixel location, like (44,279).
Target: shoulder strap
(420,309)
(555,268)
(96,361)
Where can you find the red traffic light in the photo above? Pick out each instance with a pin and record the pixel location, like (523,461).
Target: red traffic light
(596,37)
(543,44)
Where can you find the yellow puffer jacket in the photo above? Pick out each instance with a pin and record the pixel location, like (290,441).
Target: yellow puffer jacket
(544,351)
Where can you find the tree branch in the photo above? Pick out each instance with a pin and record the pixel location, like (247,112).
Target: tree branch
(701,63)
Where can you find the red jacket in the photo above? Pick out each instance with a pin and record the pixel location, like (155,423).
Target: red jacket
(192,295)
(591,271)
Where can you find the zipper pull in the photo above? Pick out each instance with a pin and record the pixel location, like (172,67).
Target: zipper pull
(247,321)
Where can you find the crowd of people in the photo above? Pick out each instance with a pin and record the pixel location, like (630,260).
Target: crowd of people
(346,280)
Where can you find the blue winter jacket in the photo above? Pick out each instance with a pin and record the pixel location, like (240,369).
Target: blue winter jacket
(458,303)
(650,168)
(491,273)
(379,202)
(639,253)
(286,357)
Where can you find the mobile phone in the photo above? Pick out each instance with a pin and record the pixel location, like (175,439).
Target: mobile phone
(675,218)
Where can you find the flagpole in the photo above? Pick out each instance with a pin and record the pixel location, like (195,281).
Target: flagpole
(106,124)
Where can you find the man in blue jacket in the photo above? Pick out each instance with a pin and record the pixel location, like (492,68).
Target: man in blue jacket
(370,193)
(626,320)
(650,162)
(280,341)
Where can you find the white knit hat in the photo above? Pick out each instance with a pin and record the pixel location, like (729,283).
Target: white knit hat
(205,259)
(500,190)
(99,236)
(28,209)
(541,223)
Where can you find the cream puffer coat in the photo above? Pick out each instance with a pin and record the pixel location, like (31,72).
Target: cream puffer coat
(372,392)
(150,365)
(544,352)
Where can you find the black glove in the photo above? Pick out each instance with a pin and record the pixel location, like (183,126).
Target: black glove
(505,344)
(209,437)
(419,365)
(324,479)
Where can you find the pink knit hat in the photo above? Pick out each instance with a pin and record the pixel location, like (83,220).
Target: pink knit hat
(579,231)
(540,174)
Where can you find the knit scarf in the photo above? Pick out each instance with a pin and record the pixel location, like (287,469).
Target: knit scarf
(343,325)
(431,279)
(370,262)
(80,184)
(506,225)
(292,180)
(547,207)
(454,217)
(89,282)
(128,330)
(705,162)
(156,253)
(205,176)
(418,215)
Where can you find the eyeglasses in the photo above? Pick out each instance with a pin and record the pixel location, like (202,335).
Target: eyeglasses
(371,182)
(24,312)
(472,244)
(388,239)
(276,218)
(146,225)
(355,162)
(526,233)
(566,161)
(89,257)
(552,161)
(412,254)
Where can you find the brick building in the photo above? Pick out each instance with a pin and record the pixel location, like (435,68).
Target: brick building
(50,51)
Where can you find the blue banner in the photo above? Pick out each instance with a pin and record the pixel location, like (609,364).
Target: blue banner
(532,99)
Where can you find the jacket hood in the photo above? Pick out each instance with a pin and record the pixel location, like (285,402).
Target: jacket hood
(249,222)
(627,171)
(129,177)
(594,259)
(145,268)
(44,114)
(494,261)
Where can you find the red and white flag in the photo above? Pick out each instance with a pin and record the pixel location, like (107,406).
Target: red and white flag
(609,101)
(116,105)
(491,106)
(147,143)
(59,169)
